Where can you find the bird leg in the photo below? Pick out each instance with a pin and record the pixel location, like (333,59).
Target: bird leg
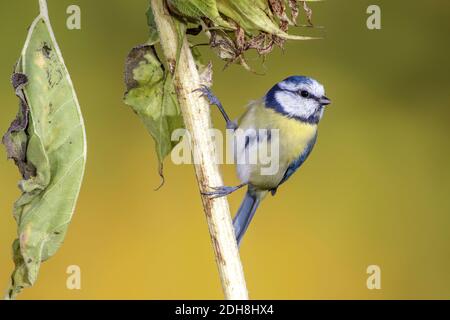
(222,191)
(213,100)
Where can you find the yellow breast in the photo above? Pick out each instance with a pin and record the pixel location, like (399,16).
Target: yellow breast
(294,135)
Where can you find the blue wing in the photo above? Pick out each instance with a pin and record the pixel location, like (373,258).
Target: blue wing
(299,161)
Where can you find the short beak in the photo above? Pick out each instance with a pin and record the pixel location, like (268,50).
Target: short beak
(324,101)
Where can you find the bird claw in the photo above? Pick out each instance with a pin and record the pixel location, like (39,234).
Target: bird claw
(207,93)
(220,191)
(232,125)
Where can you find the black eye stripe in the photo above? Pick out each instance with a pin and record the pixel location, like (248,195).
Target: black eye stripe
(304,93)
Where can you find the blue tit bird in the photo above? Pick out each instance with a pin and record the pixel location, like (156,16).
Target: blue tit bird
(293,107)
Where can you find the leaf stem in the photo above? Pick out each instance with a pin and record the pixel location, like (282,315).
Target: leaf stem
(196,115)
(43,9)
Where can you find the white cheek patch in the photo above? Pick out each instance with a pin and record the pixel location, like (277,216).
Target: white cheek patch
(294,105)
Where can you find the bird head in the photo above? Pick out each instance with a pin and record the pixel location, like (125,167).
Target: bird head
(298,97)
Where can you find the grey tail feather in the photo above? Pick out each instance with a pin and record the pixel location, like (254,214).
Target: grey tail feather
(245,214)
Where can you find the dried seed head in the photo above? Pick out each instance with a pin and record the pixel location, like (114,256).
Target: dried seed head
(235,26)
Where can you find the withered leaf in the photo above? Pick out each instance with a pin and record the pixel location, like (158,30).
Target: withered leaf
(47,142)
(293,5)
(151,95)
(308,12)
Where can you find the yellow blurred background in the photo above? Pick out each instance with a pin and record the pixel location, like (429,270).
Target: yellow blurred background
(375,190)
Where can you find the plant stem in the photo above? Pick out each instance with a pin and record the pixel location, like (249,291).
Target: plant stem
(196,114)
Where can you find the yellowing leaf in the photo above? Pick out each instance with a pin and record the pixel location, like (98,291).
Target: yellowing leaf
(47,142)
(151,95)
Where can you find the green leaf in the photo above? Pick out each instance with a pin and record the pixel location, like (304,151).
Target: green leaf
(153,30)
(47,142)
(197,9)
(151,95)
